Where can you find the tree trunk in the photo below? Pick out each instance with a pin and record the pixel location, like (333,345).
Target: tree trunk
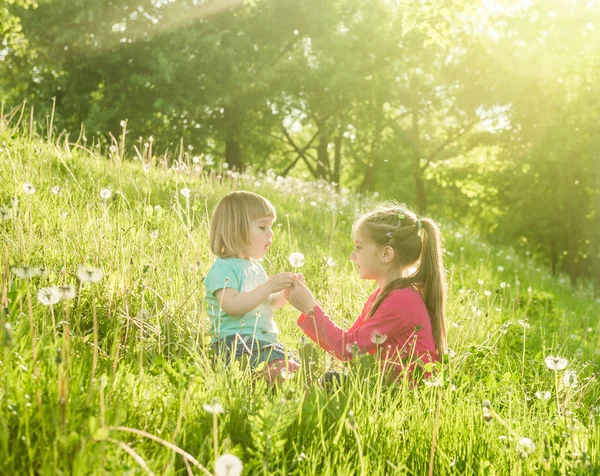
(323,169)
(233,148)
(337,162)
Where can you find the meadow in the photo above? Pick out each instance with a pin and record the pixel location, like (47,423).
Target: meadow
(105,352)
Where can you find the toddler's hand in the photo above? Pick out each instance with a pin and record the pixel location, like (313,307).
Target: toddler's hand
(300,277)
(281,281)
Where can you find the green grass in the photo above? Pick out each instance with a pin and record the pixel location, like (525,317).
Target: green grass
(154,373)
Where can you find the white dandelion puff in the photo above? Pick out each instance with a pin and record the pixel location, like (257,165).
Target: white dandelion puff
(525,446)
(89,275)
(480,282)
(329,261)
(215,407)
(502,284)
(524,323)
(29,188)
(434,382)
(296,259)
(123,123)
(228,465)
(48,296)
(500,269)
(556,363)
(209,160)
(487,292)
(185,192)
(26,272)
(378,338)
(67,292)
(5,214)
(56,189)
(543,395)
(154,234)
(570,379)
(105,193)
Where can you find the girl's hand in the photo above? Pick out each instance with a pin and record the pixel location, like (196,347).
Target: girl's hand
(300,297)
(280,281)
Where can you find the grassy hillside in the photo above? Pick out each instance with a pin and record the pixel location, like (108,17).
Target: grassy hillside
(145,226)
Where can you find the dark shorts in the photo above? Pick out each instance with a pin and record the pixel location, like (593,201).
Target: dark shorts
(254,350)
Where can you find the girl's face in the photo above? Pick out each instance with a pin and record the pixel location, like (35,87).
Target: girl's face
(368,257)
(261,237)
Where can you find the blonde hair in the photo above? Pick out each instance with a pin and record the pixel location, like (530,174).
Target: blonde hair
(232,219)
(414,241)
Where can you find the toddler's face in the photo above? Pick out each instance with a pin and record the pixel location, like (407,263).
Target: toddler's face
(261,237)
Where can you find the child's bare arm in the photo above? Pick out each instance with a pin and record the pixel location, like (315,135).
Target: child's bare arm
(278,300)
(237,303)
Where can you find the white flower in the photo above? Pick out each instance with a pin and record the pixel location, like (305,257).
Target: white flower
(502,284)
(329,262)
(435,382)
(500,269)
(525,446)
(225,165)
(154,234)
(113,149)
(185,192)
(556,363)
(5,214)
(480,282)
(209,160)
(123,123)
(228,465)
(29,188)
(105,193)
(296,259)
(215,407)
(56,189)
(89,275)
(378,338)
(524,323)
(570,379)
(487,293)
(67,292)
(545,395)
(48,296)
(529,289)
(26,272)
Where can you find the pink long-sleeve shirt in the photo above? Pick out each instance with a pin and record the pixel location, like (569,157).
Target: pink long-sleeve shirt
(400,328)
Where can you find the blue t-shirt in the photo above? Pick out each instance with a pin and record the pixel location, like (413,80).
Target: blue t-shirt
(243,275)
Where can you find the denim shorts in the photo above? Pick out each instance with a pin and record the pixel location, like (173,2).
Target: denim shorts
(256,351)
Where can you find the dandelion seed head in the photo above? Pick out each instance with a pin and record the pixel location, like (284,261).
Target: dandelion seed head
(378,338)
(500,269)
(296,259)
(329,262)
(48,296)
(56,189)
(154,234)
(228,465)
(570,379)
(89,275)
(25,271)
(556,363)
(543,395)
(215,407)
(67,292)
(525,446)
(105,193)
(5,214)
(185,192)
(29,188)
(123,123)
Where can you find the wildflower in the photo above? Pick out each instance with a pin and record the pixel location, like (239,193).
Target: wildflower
(48,296)
(570,379)
(5,214)
(228,465)
(525,446)
(25,271)
(56,189)
(67,292)
(105,193)
(500,269)
(15,202)
(524,323)
(480,282)
(330,262)
(196,159)
(113,149)
(350,421)
(185,192)
(556,363)
(89,275)
(216,407)
(353,348)
(123,123)
(154,234)
(545,395)
(225,165)
(29,188)
(487,293)
(209,160)
(435,382)
(63,215)
(529,289)
(377,338)
(502,284)
(296,259)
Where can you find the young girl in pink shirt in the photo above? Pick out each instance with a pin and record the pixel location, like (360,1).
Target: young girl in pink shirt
(403,320)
